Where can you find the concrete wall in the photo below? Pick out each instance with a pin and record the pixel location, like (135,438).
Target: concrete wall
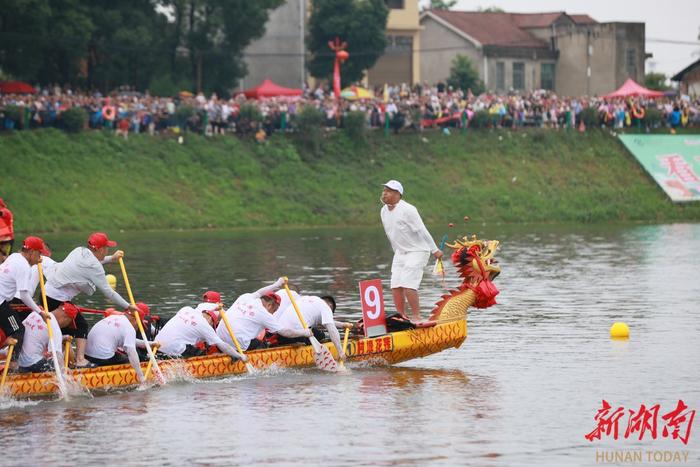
(439,46)
(608,44)
(691,83)
(532,72)
(277,55)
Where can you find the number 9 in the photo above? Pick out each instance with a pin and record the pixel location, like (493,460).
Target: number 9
(373,303)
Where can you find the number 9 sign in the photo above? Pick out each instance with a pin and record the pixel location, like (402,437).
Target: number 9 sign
(372,300)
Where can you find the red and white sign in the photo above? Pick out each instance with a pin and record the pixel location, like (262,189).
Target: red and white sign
(372,299)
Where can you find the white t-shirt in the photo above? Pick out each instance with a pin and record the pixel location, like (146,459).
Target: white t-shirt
(36,340)
(108,335)
(187,327)
(15,273)
(247,317)
(285,302)
(405,229)
(81,271)
(315,311)
(47,265)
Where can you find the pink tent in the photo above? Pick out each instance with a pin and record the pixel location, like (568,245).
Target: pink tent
(631,88)
(269,89)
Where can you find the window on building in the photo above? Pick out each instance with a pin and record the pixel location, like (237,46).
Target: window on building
(398,44)
(500,76)
(518,75)
(547,76)
(631,60)
(395,4)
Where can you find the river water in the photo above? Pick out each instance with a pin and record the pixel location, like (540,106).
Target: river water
(522,390)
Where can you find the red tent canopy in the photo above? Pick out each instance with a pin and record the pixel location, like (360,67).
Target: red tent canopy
(631,88)
(269,89)
(16,87)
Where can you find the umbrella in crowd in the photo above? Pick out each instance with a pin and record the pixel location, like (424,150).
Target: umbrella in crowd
(16,87)
(356,92)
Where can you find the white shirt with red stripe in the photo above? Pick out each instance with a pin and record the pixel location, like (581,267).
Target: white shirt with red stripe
(108,335)
(248,317)
(187,327)
(36,340)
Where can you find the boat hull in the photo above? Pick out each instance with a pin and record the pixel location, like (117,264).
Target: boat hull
(388,349)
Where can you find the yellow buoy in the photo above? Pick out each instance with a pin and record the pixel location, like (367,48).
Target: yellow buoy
(619,330)
(112,281)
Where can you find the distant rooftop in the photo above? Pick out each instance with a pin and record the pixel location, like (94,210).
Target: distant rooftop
(505,29)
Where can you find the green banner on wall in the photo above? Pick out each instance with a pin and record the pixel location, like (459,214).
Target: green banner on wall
(672,160)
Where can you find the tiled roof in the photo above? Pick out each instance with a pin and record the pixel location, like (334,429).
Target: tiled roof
(583,19)
(490,28)
(535,20)
(505,29)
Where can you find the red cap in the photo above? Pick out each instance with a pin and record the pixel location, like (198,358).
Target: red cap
(274,297)
(70,310)
(143,310)
(35,243)
(99,239)
(214,316)
(211,297)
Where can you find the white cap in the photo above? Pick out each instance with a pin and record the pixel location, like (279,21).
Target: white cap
(395,185)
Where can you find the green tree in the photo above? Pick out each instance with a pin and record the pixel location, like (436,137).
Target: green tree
(360,23)
(464,76)
(212,34)
(440,4)
(43,41)
(490,9)
(656,81)
(126,46)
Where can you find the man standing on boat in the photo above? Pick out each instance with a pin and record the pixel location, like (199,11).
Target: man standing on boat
(254,312)
(82,271)
(15,274)
(180,335)
(116,331)
(412,245)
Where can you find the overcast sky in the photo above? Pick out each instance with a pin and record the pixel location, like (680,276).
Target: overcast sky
(677,20)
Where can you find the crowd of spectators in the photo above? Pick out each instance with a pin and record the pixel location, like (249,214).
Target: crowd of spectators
(126,111)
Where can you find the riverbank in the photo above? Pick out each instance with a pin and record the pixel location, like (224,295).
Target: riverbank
(54,181)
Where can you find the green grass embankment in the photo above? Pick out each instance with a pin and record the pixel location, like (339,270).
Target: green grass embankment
(55,181)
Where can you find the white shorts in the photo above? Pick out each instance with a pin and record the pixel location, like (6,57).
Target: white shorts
(407,269)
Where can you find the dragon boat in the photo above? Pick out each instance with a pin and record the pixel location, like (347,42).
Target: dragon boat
(445,328)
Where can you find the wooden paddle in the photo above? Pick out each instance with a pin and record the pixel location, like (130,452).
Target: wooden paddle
(57,366)
(249,366)
(66,354)
(156,369)
(322,356)
(345,347)
(7,365)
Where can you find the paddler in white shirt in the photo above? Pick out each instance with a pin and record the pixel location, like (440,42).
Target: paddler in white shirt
(15,274)
(82,272)
(190,326)
(113,334)
(412,245)
(254,312)
(32,357)
(317,311)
